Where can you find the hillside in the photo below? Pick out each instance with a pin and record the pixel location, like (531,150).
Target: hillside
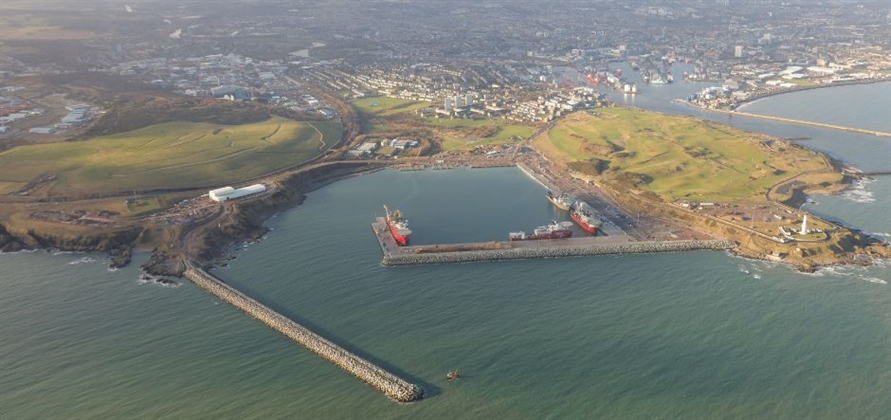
(679,158)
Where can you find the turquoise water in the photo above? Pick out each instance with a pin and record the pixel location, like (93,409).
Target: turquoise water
(702,335)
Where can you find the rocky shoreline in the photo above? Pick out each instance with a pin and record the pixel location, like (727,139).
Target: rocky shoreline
(206,244)
(209,245)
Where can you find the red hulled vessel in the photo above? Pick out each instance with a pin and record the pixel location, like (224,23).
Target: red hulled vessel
(554,230)
(398,226)
(585,216)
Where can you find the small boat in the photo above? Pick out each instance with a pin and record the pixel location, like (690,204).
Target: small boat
(451,376)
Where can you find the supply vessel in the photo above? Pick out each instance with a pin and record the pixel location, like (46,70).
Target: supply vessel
(585,216)
(554,230)
(398,226)
(562,201)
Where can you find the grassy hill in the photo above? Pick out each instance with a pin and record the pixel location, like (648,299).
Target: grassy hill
(382,116)
(678,157)
(168,155)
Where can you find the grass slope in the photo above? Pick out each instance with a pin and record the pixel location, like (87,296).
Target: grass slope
(382,115)
(460,134)
(374,110)
(169,155)
(677,157)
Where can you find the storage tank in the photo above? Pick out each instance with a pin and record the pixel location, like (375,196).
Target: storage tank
(627,88)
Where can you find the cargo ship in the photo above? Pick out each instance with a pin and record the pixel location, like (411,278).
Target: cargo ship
(398,226)
(554,230)
(562,201)
(583,215)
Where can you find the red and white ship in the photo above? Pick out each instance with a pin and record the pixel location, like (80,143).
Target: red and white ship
(552,231)
(398,226)
(585,216)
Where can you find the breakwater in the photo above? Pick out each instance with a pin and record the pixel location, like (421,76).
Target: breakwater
(801,122)
(560,248)
(389,384)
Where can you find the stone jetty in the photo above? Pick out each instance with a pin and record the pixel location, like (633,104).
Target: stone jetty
(557,248)
(392,386)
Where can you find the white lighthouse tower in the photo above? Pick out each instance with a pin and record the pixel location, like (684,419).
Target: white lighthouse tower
(804,225)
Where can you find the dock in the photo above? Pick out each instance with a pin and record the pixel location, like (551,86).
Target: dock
(505,250)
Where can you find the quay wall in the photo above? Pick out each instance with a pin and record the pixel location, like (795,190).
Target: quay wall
(531,174)
(553,252)
(389,384)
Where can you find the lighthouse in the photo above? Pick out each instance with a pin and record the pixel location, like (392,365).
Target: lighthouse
(804,225)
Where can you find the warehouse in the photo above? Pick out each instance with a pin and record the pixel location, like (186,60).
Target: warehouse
(229,193)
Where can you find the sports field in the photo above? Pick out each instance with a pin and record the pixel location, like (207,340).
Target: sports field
(168,155)
(677,157)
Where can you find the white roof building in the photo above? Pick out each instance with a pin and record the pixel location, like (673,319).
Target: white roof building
(228,193)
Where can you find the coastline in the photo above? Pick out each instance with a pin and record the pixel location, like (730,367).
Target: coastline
(759,97)
(247,222)
(737,110)
(207,242)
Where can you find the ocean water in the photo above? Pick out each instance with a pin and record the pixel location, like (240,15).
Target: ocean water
(862,106)
(703,334)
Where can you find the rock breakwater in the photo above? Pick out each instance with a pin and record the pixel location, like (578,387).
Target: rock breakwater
(567,249)
(392,386)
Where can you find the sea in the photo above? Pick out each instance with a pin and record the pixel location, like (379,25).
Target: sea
(679,335)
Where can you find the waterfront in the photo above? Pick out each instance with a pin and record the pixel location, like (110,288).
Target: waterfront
(864,108)
(677,335)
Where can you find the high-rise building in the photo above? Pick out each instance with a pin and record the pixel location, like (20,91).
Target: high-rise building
(447,103)
(738,51)
(468,99)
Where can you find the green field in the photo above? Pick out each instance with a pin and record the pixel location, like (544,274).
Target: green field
(373,111)
(169,155)
(676,157)
(381,114)
(382,105)
(464,138)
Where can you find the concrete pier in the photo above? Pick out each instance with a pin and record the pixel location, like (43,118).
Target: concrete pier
(556,248)
(801,122)
(392,386)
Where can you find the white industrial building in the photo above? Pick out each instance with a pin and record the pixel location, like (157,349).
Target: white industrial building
(229,193)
